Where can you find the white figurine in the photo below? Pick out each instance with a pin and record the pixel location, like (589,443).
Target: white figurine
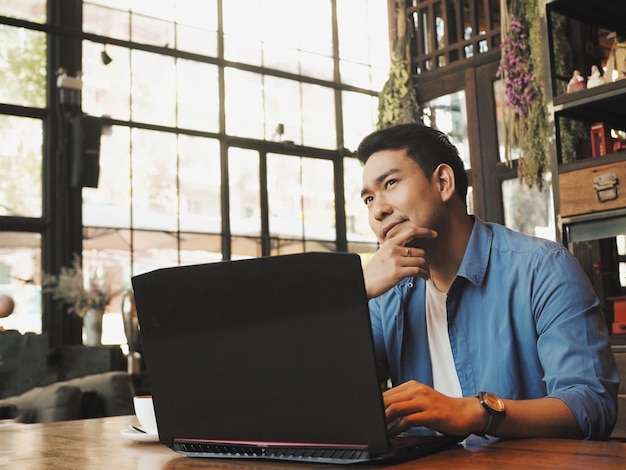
(595,79)
(576,83)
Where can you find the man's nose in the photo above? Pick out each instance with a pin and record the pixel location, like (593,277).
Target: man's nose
(381,208)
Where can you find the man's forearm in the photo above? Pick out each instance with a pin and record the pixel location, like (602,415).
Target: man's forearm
(543,417)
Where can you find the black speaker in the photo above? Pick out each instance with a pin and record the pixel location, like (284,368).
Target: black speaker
(85,160)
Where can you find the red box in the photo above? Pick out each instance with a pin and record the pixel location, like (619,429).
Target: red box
(619,315)
(619,309)
(619,328)
(601,140)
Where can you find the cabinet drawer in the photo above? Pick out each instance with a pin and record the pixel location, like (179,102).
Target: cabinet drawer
(592,189)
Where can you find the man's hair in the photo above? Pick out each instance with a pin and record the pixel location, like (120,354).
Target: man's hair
(426,146)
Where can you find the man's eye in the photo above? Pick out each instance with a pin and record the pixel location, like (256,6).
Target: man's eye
(367,200)
(390,183)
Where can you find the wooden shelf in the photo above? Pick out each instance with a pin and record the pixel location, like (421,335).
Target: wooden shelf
(605,103)
(591,162)
(606,13)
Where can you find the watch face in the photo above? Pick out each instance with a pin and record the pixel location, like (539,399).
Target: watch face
(493,401)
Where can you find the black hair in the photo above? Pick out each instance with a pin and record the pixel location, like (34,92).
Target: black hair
(426,146)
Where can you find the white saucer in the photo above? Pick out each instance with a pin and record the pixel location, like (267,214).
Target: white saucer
(138,436)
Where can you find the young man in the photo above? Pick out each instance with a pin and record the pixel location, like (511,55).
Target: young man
(481,329)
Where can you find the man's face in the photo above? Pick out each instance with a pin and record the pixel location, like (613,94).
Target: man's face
(396,193)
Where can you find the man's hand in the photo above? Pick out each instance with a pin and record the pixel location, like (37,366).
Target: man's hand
(395,260)
(414,404)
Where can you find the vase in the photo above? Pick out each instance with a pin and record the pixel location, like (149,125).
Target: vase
(92,324)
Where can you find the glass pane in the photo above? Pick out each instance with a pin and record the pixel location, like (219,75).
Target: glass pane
(244,104)
(273,27)
(30,10)
(284,187)
(244,195)
(198,95)
(20,279)
(153,88)
(360,113)
(164,9)
(528,210)
(154,250)
(23,70)
(315,27)
(282,106)
(196,40)
(199,14)
(155,198)
(245,247)
(119,4)
(286,247)
(106,87)
(242,49)
(199,184)
(356,74)
(301,197)
(354,35)
(197,248)
(319,127)
(449,114)
(149,30)
(242,31)
(363,43)
(317,66)
(113,240)
(357,225)
(21,141)
(106,21)
(108,205)
(280,57)
(318,199)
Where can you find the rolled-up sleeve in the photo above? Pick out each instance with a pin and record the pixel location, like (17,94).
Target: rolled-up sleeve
(572,343)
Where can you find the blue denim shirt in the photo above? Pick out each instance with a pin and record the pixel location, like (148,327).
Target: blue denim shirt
(523,321)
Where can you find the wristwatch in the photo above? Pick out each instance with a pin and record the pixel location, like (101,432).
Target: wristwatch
(495,407)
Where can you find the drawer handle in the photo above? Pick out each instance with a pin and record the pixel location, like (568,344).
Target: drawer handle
(606,187)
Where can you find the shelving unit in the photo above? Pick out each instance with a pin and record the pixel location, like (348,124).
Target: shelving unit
(589,224)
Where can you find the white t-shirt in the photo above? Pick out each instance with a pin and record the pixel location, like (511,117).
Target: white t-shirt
(445,377)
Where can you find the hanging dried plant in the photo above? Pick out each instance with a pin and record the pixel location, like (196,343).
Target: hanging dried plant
(524,109)
(397,101)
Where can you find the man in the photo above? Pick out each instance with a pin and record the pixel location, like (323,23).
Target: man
(481,329)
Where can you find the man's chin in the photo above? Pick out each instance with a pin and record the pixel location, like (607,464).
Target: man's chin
(416,243)
(422,243)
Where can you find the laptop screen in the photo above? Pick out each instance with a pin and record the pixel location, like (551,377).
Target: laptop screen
(275,349)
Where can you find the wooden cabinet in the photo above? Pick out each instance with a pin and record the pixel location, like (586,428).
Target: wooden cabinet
(590,192)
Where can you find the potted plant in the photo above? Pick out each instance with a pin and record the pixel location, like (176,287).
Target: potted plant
(87,297)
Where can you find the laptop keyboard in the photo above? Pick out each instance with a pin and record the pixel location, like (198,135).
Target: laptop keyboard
(212,449)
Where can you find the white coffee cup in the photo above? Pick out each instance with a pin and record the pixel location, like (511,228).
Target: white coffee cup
(144,410)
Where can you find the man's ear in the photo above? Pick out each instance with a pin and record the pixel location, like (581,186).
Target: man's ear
(444,178)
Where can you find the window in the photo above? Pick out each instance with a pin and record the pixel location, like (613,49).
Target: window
(222,138)
(445,33)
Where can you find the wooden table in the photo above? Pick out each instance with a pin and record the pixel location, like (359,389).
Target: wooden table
(98,444)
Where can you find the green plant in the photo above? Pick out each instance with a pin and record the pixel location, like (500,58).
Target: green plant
(397,101)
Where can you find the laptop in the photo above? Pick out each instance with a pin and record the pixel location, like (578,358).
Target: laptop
(267,358)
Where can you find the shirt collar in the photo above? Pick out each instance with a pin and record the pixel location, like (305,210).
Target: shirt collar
(476,258)
(475,261)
